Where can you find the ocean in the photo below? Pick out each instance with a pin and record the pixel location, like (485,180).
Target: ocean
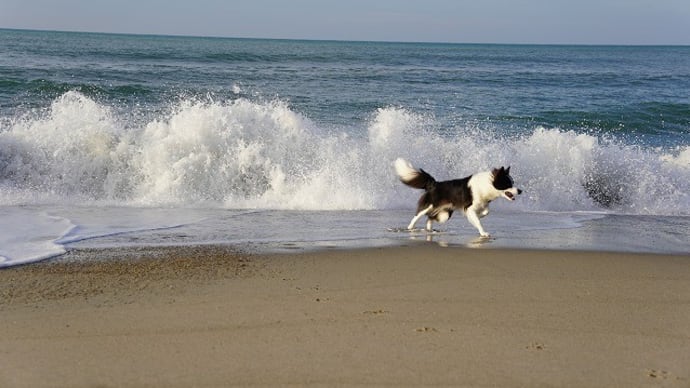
(116,141)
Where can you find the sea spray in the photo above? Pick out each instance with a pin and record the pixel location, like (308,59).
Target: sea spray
(69,152)
(241,154)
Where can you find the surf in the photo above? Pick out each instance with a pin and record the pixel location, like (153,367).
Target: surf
(247,154)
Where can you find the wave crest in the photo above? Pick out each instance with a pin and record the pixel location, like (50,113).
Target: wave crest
(245,154)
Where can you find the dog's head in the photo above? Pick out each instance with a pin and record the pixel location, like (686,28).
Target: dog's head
(504,183)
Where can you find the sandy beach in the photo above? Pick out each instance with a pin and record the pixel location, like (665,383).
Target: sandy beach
(403,316)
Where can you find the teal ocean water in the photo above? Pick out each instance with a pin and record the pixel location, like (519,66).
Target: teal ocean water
(107,135)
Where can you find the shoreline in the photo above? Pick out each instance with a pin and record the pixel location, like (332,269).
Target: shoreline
(408,315)
(315,231)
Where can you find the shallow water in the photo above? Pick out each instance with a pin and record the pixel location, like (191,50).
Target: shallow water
(53,230)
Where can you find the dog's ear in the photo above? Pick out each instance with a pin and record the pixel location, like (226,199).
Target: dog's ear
(508,170)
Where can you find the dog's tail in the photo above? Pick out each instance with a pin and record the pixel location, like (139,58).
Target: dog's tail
(417,178)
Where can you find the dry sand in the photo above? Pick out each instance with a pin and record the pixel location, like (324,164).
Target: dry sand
(407,316)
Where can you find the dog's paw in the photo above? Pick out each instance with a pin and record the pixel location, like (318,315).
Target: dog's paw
(484,235)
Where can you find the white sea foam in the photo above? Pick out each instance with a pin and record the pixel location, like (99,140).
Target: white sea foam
(243,154)
(28,235)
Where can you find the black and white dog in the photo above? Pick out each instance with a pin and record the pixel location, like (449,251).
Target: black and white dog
(472,194)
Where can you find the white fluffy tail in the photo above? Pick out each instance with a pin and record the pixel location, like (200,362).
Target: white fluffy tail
(405,170)
(413,177)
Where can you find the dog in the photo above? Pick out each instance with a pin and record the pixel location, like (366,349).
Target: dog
(472,194)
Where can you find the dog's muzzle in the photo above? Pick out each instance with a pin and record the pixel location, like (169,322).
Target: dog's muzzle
(510,195)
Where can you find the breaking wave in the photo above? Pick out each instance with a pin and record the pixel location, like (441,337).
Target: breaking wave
(248,154)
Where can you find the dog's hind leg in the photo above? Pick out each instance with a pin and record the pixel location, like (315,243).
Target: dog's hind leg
(440,217)
(418,216)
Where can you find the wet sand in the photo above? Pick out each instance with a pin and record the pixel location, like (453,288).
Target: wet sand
(399,316)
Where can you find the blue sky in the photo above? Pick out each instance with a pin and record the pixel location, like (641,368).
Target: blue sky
(470,21)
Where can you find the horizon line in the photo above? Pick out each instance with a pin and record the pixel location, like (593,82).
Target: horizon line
(201,36)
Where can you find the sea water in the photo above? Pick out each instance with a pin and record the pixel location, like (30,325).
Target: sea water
(126,140)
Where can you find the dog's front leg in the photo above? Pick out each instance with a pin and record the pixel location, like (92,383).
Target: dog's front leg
(473,217)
